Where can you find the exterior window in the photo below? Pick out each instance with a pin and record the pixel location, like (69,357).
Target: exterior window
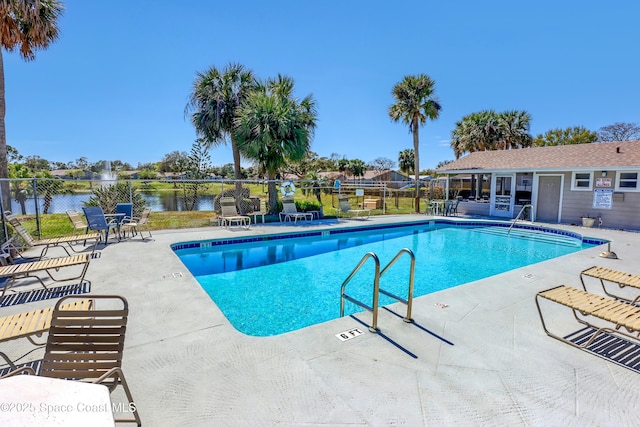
(627,181)
(581,181)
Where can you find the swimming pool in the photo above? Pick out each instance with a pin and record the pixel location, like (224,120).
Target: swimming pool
(268,285)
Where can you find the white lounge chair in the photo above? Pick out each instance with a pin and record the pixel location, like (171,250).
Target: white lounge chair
(344,208)
(229,214)
(290,211)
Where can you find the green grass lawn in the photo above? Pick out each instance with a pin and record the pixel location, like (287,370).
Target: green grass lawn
(55,225)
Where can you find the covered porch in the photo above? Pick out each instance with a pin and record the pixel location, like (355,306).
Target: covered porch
(499,194)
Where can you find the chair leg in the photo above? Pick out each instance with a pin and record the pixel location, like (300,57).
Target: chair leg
(28,370)
(118,377)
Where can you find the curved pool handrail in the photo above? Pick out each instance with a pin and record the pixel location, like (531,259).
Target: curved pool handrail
(409,301)
(376,287)
(528,205)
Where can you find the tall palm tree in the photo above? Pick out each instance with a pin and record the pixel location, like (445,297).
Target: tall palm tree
(462,136)
(415,103)
(357,168)
(514,129)
(28,25)
(488,130)
(406,161)
(489,136)
(215,100)
(274,128)
(476,132)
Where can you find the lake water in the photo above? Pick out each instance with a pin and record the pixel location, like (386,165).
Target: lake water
(158,202)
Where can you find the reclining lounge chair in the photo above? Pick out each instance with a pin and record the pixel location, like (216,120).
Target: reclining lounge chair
(290,211)
(620,316)
(30,242)
(345,209)
(229,214)
(613,276)
(26,270)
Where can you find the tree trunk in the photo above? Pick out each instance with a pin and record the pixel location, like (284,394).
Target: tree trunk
(4,162)
(238,174)
(273,193)
(416,162)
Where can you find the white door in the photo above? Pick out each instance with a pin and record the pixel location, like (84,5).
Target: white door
(502,195)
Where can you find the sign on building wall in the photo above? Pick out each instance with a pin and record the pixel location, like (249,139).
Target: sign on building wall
(602,199)
(603,182)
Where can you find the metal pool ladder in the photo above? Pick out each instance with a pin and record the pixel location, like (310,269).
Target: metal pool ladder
(530,206)
(376,287)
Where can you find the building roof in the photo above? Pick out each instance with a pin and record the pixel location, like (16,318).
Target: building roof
(595,156)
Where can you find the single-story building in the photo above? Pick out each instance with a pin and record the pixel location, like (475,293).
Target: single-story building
(562,183)
(392,178)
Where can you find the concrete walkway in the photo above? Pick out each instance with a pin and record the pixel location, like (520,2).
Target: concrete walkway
(188,366)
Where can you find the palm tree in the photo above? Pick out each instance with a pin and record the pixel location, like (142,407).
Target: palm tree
(462,136)
(476,132)
(28,25)
(406,161)
(357,168)
(316,185)
(489,136)
(274,128)
(215,100)
(487,130)
(514,129)
(415,103)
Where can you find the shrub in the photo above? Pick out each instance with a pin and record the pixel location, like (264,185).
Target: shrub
(108,196)
(307,205)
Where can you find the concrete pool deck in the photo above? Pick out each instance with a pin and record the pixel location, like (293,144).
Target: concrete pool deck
(186,364)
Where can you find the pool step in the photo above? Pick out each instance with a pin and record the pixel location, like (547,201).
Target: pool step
(531,235)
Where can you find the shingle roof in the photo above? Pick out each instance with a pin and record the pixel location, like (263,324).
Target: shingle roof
(601,155)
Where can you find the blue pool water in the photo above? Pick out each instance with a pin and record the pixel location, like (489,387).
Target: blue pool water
(275,284)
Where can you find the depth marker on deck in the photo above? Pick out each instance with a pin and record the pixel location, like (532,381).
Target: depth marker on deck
(351,333)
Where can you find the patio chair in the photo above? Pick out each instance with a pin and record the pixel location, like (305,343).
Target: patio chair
(62,242)
(447,207)
(98,222)
(617,315)
(613,276)
(344,208)
(32,323)
(77,221)
(30,270)
(428,208)
(290,211)
(453,210)
(88,345)
(229,215)
(136,224)
(124,211)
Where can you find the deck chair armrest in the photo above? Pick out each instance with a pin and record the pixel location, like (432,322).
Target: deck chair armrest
(114,373)
(129,219)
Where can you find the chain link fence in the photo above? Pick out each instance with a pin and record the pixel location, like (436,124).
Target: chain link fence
(41,204)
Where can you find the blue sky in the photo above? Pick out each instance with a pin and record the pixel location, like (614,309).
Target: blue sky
(115,84)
